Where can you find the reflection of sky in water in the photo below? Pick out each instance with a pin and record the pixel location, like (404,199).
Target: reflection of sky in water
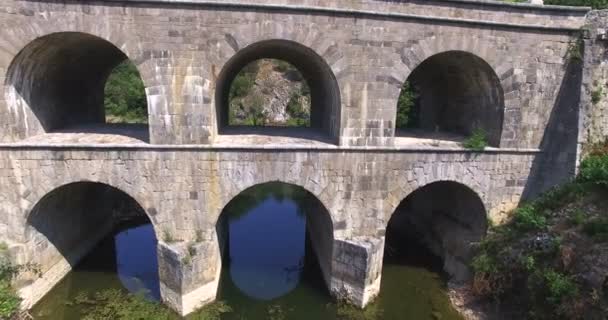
(267,249)
(136,261)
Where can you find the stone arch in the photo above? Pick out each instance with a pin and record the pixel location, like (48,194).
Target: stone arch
(319,224)
(457,92)
(65,224)
(448,217)
(56,80)
(324,88)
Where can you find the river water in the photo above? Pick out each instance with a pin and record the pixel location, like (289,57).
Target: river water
(269,269)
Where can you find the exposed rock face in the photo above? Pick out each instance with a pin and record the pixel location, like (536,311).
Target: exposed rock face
(275,85)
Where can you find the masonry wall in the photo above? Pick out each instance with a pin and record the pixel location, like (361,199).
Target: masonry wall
(593,124)
(180,50)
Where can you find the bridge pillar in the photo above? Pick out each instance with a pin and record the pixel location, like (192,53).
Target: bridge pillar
(357,269)
(189,274)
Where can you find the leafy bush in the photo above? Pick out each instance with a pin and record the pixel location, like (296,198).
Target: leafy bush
(477,141)
(594,169)
(529,217)
(405,107)
(125,95)
(9,301)
(560,286)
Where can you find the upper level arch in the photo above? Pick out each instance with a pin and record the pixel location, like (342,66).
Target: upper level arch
(452,95)
(324,89)
(56,83)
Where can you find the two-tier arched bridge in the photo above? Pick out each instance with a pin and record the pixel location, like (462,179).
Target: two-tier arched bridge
(509,69)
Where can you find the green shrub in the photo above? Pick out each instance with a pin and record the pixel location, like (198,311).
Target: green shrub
(529,217)
(560,286)
(405,107)
(125,95)
(477,141)
(594,169)
(484,263)
(9,301)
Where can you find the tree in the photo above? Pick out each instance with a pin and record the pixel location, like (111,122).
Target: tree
(125,95)
(405,106)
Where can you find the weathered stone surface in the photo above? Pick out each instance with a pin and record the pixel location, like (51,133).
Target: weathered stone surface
(54,56)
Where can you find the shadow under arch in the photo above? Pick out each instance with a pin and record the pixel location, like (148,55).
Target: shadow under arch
(258,214)
(57,81)
(69,221)
(324,89)
(446,217)
(456,92)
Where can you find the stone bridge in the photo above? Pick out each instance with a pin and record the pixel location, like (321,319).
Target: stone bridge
(516,70)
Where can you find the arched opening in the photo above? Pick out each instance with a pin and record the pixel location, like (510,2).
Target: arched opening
(94,237)
(452,95)
(435,227)
(270,90)
(72,82)
(275,238)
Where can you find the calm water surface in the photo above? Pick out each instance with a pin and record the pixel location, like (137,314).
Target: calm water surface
(269,264)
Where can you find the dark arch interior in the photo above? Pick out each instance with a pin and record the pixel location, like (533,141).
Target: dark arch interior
(324,91)
(250,211)
(62,77)
(456,92)
(444,217)
(70,221)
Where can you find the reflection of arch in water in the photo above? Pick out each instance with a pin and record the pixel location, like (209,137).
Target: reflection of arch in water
(57,82)
(265,226)
(447,217)
(68,222)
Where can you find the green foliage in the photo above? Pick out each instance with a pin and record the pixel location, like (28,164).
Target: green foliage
(594,169)
(283,66)
(560,286)
(529,217)
(405,107)
(577,217)
(477,141)
(597,228)
(9,301)
(242,85)
(596,4)
(125,95)
(485,263)
(528,262)
(596,95)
